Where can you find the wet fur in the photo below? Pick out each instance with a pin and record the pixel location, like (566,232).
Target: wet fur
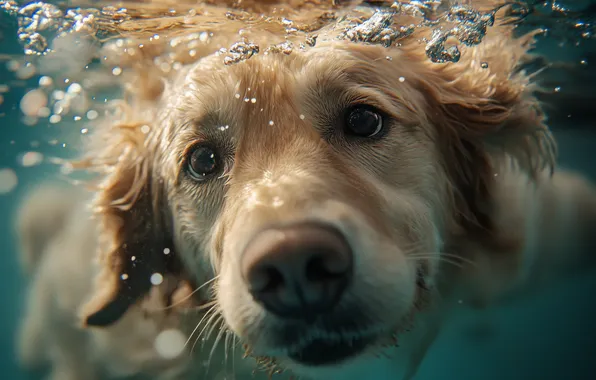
(464,174)
(58,241)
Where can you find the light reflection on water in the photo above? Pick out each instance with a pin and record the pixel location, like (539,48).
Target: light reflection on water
(67,65)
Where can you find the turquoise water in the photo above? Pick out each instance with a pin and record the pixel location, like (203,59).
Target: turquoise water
(550,337)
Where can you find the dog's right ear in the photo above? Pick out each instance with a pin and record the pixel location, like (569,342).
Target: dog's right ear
(132,245)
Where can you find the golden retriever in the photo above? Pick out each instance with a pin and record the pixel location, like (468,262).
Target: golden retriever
(342,199)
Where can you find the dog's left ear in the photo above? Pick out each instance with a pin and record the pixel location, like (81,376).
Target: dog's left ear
(132,239)
(482,106)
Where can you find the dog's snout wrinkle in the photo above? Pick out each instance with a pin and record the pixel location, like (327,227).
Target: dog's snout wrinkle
(298,271)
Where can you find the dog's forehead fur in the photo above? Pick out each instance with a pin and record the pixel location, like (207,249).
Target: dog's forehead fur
(277,97)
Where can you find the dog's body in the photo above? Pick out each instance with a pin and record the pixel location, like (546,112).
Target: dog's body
(414,185)
(59,244)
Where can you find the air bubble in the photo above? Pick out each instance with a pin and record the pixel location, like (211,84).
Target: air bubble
(33,101)
(8,180)
(170,343)
(92,114)
(45,81)
(44,112)
(31,159)
(156,279)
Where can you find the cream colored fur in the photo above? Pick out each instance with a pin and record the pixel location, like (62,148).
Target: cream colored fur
(58,248)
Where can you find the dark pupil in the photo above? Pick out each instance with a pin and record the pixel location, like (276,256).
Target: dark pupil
(363,122)
(202,161)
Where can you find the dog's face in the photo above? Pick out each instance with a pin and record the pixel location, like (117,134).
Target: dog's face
(319,188)
(309,200)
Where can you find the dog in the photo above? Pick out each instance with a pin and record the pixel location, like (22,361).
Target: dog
(341,199)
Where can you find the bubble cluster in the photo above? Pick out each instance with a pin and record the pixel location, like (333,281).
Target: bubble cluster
(284,47)
(378,29)
(466,24)
(39,22)
(240,51)
(470,28)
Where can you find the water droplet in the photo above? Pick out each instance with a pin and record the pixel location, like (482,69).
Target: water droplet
(166,251)
(301,117)
(44,112)
(26,72)
(55,119)
(74,88)
(116,71)
(33,101)
(133,258)
(145,129)
(156,279)
(31,159)
(402,79)
(124,276)
(484,65)
(45,81)
(170,343)
(92,114)
(558,89)
(8,180)
(253,100)
(271,122)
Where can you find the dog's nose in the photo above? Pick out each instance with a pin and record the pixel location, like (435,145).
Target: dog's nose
(298,271)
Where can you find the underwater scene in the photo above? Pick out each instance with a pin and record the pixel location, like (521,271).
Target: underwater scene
(298,189)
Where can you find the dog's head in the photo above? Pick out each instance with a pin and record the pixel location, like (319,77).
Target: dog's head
(318,188)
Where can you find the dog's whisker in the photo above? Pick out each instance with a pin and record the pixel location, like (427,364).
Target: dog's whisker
(441,259)
(227,340)
(213,325)
(233,348)
(192,293)
(441,256)
(222,331)
(199,325)
(209,322)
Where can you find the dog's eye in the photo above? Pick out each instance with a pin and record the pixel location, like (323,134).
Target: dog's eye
(363,121)
(202,162)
